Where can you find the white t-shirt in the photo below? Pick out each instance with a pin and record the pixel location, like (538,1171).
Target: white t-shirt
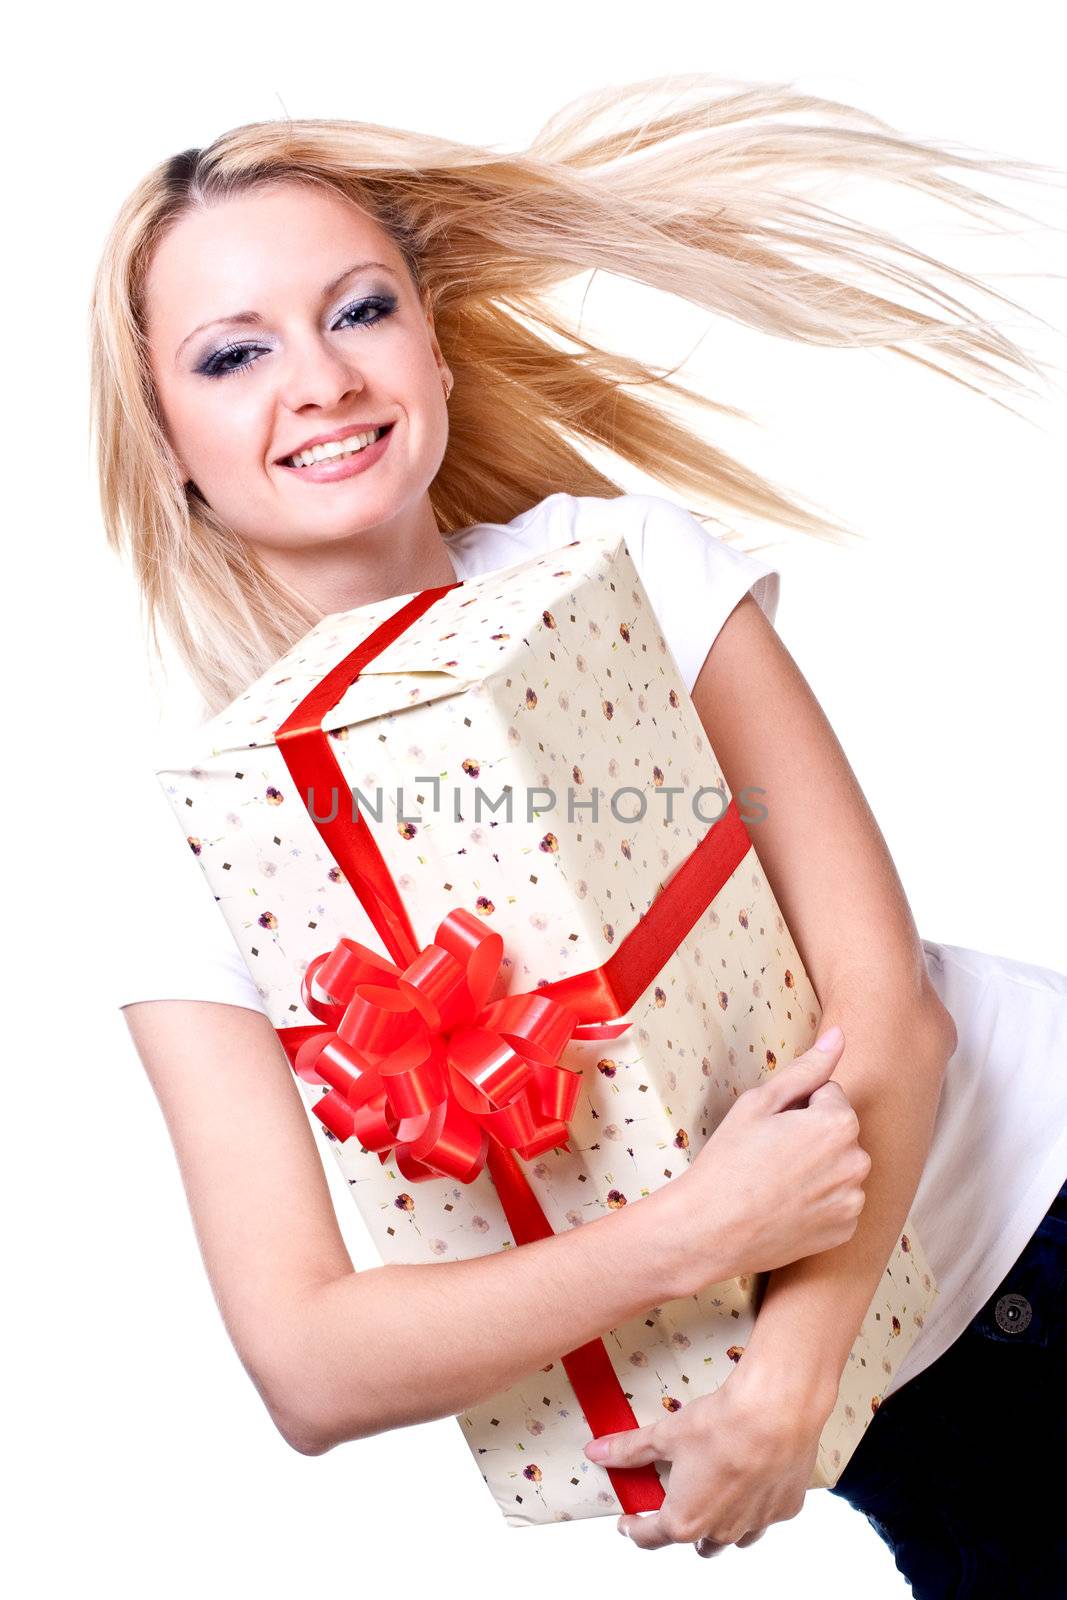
(999,1149)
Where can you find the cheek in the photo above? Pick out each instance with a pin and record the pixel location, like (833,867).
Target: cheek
(231,426)
(411,364)
(423,381)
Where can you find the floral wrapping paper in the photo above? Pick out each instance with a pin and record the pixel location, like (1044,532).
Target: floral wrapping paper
(547,681)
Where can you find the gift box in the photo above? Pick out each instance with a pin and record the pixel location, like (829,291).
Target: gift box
(502,909)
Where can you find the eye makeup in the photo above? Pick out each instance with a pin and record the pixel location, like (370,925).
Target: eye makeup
(378,307)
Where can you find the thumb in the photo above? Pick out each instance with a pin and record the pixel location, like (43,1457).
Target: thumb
(806,1073)
(635,1447)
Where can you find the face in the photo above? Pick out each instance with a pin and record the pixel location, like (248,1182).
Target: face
(303,339)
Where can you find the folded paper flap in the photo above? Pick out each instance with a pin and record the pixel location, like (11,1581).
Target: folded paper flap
(470,631)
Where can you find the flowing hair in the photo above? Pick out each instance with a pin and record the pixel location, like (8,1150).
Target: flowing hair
(695,196)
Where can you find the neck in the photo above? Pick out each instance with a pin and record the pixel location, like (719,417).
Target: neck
(373,564)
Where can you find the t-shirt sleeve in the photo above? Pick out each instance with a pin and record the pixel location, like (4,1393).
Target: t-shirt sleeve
(693,578)
(172,941)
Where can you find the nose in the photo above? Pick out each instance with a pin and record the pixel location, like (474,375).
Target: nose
(318,374)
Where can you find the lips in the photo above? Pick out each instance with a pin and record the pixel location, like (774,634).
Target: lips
(331,438)
(342,466)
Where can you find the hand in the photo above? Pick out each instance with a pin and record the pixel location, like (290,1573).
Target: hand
(740,1458)
(772,1184)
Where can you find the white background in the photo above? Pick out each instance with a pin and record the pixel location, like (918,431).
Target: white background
(141,1458)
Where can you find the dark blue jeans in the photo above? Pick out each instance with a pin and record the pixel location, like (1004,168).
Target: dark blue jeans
(961,1471)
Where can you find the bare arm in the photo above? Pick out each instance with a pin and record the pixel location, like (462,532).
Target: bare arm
(337,1354)
(827,862)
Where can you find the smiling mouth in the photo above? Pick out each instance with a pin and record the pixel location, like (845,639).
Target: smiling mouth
(349,449)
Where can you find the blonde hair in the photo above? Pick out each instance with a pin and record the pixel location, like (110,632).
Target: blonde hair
(693,198)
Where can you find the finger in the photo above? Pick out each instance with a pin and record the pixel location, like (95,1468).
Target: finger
(800,1078)
(829,1094)
(634,1447)
(645,1529)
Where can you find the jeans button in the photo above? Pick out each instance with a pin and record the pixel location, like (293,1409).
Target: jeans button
(1013,1312)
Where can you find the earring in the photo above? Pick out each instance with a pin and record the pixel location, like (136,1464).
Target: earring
(448,385)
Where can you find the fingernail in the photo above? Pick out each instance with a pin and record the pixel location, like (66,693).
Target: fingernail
(597,1450)
(829,1038)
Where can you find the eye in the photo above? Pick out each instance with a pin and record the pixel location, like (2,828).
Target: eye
(381,307)
(369,314)
(213,367)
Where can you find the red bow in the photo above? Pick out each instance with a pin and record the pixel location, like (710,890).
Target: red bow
(421,1065)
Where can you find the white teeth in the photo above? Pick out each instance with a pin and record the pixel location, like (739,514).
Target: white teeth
(337,447)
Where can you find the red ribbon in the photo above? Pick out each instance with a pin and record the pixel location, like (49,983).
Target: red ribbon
(421,1067)
(420,1064)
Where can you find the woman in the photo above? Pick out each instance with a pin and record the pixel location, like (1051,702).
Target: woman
(390,290)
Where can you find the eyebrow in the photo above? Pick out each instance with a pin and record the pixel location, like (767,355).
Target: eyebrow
(254,316)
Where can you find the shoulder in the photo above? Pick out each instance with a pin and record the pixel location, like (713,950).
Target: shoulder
(693,577)
(656,528)
(556,520)
(652,525)
(487,546)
